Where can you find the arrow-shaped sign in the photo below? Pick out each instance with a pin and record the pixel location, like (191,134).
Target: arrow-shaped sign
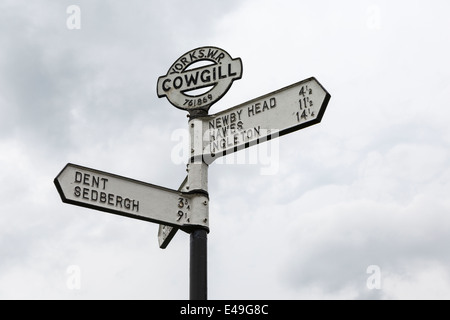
(292,108)
(111,193)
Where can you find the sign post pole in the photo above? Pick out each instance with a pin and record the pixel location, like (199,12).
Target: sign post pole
(198,282)
(197,186)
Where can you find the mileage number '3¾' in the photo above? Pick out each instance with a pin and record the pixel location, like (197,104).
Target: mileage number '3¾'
(183,209)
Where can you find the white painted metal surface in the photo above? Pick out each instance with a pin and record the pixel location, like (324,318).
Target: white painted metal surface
(283,111)
(184,77)
(127,197)
(166,233)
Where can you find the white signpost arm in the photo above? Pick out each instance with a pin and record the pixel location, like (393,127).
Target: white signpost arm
(111,193)
(289,109)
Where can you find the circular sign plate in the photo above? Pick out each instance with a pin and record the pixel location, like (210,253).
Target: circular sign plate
(190,88)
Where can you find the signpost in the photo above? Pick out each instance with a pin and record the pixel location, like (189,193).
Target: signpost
(289,109)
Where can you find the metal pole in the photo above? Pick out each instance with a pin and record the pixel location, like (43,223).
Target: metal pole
(198,287)
(197,184)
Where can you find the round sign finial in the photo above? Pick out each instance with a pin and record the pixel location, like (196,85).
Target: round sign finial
(193,88)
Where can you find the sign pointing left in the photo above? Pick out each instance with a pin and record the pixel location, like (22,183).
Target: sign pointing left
(111,193)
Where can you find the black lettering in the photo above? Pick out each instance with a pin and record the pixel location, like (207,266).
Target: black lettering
(179,66)
(304,115)
(257,107)
(102,197)
(225,120)
(229,141)
(86,193)
(95,181)
(78,176)
(221,55)
(201,53)
(207,78)
(224,131)
(273,102)
(94,195)
(191,79)
(111,199)
(192,56)
(251,110)
(77,191)
(212,134)
(135,206)
(211,53)
(177,82)
(184,61)
(230,74)
(86,179)
(257,130)
(215,145)
(104,182)
(221,76)
(166,88)
(119,201)
(265,106)
(127,203)
(218,133)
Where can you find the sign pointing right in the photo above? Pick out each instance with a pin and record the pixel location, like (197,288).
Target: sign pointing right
(289,109)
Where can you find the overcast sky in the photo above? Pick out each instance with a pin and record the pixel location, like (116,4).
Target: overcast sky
(356,207)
